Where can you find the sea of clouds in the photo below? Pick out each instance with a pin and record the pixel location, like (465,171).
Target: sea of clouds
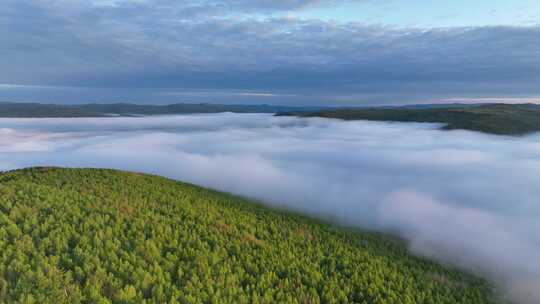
(462,197)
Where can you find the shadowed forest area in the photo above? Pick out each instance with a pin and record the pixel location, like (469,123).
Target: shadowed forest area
(501,119)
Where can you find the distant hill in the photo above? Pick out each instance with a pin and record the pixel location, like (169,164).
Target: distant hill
(501,119)
(126,109)
(104,236)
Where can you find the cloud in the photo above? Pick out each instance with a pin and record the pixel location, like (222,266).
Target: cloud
(218,45)
(458,196)
(7,86)
(473,238)
(263,6)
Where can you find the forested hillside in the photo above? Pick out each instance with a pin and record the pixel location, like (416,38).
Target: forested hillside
(103,236)
(500,119)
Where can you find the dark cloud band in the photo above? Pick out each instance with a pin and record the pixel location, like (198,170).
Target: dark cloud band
(215,45)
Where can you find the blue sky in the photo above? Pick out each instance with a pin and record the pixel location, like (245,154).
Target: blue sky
(426,13)
(292,52)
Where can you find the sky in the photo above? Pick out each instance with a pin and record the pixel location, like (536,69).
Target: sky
(289,52)
(466,198)
(428,14)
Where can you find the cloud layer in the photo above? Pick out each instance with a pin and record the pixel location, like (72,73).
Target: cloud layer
(157,46)
(457,196)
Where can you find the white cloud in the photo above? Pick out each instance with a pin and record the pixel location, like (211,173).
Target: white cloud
(498,246)
(9,86)
(458,196)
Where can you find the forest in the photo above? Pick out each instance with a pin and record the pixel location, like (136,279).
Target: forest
(499,119)
(105,236)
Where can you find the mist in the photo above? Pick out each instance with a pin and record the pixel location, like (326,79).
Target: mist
(460,197)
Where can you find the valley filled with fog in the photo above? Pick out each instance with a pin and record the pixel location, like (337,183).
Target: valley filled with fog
(461,197)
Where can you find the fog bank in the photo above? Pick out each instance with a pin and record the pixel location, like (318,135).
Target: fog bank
(457,196)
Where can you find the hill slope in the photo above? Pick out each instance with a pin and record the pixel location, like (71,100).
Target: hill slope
(501,119)
(100,236)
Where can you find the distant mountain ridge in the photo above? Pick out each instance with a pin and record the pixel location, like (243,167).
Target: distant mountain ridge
(29,110)
(501,119)
(38,110)
(42,110)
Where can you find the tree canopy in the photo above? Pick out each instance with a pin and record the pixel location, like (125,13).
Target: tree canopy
(104,236)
